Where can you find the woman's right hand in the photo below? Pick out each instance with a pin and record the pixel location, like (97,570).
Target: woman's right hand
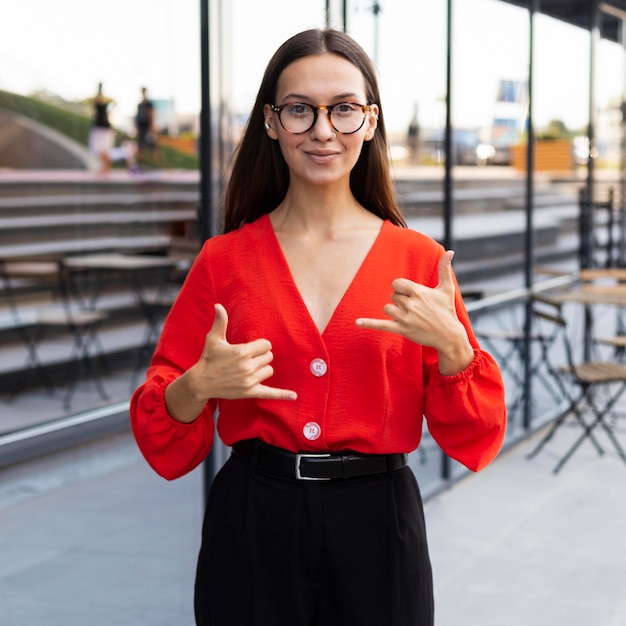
(224,370)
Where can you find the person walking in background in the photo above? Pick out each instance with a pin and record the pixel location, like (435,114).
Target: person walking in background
(101,134)
(147,152)
(413,138)
(322,331)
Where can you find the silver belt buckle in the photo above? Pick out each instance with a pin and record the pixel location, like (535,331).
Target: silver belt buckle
(299,476)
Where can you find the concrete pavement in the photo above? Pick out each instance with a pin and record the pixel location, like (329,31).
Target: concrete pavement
(92,536)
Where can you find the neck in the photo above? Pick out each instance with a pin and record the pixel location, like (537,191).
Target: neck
(313,205)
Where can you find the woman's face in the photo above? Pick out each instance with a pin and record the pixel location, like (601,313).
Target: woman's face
(321,156)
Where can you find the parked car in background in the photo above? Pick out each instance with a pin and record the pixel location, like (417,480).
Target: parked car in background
(464,145)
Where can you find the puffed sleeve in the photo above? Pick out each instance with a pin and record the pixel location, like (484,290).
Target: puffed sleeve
(466,413)
(173,448)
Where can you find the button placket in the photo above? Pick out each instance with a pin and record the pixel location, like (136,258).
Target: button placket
(318,368)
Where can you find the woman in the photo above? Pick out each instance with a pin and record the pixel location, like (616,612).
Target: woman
(285,325)
(101,134)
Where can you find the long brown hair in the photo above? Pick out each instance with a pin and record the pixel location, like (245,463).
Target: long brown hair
(260,177)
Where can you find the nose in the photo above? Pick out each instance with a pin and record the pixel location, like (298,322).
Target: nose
(322,129)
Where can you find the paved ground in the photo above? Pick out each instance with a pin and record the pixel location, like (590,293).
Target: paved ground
(92,536)
(516,545)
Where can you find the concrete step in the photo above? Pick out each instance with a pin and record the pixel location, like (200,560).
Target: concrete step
(46,183)
(96,218)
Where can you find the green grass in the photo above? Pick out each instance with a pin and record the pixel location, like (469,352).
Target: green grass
(68,123)
(76,126)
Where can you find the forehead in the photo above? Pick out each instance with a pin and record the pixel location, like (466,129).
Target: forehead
(321,77)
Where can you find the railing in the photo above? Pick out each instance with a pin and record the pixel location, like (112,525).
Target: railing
(532,405)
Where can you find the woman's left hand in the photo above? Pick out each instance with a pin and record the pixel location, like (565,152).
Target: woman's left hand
(428,316)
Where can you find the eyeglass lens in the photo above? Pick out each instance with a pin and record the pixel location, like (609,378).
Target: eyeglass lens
(345,117)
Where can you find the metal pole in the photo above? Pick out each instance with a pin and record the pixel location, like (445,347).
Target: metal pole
(594,19)
(205,210)
(594,33)
(530,231)
(448,241)
(621,262)
(530,151)
(376,9)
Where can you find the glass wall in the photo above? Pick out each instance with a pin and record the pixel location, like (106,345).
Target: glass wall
(98,197)
(96,237)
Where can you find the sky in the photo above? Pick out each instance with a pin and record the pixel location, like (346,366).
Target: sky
(68,46)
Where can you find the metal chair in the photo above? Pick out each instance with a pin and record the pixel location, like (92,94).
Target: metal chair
(60,314)
(580,384)
(608,283)
(155,306)
(510,347)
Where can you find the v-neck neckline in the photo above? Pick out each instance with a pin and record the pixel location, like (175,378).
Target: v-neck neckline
(294,287)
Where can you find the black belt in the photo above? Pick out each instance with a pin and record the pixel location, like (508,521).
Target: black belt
(318,466)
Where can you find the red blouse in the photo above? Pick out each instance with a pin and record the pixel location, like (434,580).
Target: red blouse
(358,389)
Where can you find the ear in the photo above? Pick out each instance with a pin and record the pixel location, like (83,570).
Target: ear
(270,120)
(371,123)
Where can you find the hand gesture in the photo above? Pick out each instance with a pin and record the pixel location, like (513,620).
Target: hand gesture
(427,316)
(225,370)
(235,371)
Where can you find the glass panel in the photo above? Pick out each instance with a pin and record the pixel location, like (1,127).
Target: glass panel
(561,117)
(98,197)
(490,103)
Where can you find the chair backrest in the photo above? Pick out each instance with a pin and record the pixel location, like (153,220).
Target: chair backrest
(24,276)
(611,280)
(551,325)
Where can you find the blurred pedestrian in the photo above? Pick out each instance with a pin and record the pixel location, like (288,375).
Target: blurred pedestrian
(413,137)
(101,134)
(147,149)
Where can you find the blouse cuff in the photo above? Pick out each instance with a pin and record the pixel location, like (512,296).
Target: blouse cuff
(463,375)
(157,392)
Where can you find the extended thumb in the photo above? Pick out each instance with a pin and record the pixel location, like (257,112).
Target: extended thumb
(445,269)
(220,323)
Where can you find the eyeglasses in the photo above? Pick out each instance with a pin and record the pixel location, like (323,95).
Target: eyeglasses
(299,117)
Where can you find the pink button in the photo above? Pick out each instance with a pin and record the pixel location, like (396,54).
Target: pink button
(312,430)
(318,367)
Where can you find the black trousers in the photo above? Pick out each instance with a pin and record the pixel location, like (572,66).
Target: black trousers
(281,552)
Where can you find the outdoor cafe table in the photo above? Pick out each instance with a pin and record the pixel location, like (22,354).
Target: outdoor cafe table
(134,268)
(590,296)
(589,374)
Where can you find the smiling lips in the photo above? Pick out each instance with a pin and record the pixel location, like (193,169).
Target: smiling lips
(322,156)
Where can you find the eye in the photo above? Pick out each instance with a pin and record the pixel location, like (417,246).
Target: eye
(346,108)
(297,109)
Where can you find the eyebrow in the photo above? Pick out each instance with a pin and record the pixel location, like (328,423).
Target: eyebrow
(340,97)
